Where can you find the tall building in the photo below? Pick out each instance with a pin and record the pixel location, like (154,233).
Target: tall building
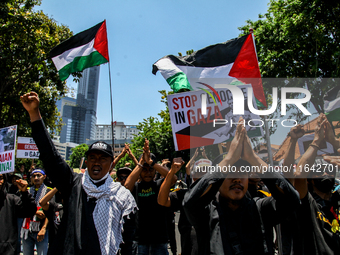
(121,131)
(65,107)
(122,134)
(87,100)
(80,116)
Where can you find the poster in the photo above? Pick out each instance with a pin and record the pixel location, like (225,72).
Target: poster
(7,149)
(306,140)
(26,148)
(193,126)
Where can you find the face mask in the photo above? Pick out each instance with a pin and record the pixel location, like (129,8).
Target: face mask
(325,184)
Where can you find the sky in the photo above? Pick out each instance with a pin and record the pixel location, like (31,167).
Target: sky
(140,33)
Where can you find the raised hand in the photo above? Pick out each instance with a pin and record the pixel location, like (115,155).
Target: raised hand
(30,101)
(177,163)
(126,148)
(146,153)
(296,132)
(334,160)
(203,153)
(319,133)
(165,162)
(236,146)
(248,152)
(22,185)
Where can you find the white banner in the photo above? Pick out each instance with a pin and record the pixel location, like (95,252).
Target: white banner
(26,148)
(7,149)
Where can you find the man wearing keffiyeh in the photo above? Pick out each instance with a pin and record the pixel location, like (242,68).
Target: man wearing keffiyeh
(94,204)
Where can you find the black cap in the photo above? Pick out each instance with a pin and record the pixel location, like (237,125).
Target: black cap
(100,146)
(124,170)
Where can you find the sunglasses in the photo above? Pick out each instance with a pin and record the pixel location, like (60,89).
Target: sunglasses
(122,178)
(1,177)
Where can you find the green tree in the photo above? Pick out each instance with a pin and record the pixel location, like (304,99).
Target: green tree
(27,36)
(299,39)
(159,133)
(77,153)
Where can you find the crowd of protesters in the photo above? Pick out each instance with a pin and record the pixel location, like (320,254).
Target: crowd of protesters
(133,213)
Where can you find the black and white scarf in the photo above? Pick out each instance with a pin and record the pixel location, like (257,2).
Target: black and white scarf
(29,225)
(113,203)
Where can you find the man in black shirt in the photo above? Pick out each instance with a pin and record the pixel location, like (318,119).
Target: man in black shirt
(231,223)
(12,207)
(319,213)
(151,233)
(94,206)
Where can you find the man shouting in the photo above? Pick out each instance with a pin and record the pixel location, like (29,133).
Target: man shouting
(94,204)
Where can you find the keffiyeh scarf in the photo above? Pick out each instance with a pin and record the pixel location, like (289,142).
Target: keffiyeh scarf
(29,225)
(113,203)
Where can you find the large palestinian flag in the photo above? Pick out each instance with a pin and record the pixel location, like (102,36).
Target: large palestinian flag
(85,49)
(232,61)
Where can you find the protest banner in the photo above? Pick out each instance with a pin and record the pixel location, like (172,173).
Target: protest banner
(192,129)
(306,140)
(7,149)
(26,148)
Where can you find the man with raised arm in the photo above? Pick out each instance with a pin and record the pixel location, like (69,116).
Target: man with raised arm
(151,221)
(318,215)
(94,206)
(231,223)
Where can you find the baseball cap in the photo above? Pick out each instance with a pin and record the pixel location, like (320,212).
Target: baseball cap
(124,170)
(100,146)
(17,175)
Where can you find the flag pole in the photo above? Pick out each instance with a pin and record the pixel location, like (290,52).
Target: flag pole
(112,129)
(269,147)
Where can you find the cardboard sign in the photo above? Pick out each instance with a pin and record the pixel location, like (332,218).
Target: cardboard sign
(7,149)
(26,148)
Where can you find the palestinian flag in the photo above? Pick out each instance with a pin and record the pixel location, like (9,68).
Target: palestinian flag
(85,49)
(332,104)
(234,61)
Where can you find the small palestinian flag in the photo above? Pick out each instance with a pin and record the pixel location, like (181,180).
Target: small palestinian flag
(332,104)
(234,61)
(85,49)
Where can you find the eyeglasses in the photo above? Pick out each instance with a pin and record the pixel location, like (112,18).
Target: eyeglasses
(122,178)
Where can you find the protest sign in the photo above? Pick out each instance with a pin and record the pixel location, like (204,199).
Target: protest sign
(26,148)
(306,140)
(192,129)
(7,149)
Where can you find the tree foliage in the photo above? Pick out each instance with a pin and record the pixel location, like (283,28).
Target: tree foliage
(299,39)
(27,36)
(159,133)
(77,153)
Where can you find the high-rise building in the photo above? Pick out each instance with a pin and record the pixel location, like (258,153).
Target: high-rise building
(87,99)
(80,117)
(121,131)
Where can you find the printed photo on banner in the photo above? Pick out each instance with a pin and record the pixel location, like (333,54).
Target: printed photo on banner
(7,149)
(26,148)
(207,116)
